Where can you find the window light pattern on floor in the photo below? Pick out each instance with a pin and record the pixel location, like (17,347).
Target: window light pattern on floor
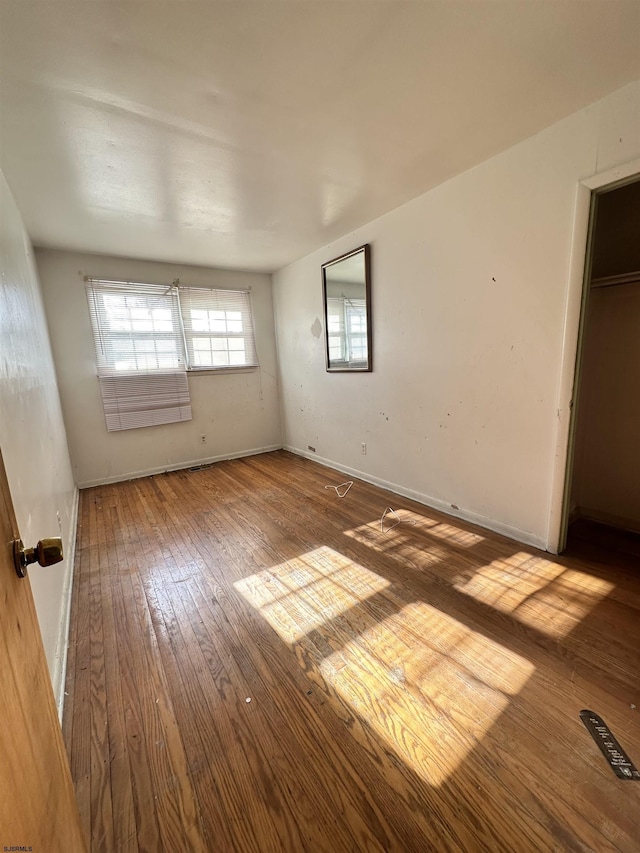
(385,657)
(529,589)
(302,594)
(390,675)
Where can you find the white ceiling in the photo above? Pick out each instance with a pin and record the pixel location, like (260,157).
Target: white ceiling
(247,134)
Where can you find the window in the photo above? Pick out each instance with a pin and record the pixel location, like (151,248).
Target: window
(218,328)
(148,336)
(140,354)
(138,328)
(347,328)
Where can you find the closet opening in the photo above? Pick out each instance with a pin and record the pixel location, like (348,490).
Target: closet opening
(602,491)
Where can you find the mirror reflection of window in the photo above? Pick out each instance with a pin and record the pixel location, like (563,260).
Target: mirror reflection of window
(336,329)
(346,302)
(347,330)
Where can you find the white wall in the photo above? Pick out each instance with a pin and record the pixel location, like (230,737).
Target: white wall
(32,435)
(470,285)
(237,411)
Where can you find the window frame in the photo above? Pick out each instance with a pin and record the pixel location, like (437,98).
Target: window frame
(183,335)
(236,300)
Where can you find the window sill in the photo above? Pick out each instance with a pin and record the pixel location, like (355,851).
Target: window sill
(209,371)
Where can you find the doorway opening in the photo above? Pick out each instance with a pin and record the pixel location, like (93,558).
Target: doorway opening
(602,487)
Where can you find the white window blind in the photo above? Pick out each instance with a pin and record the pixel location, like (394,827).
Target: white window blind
(218,328)
(140,354)
(147,400)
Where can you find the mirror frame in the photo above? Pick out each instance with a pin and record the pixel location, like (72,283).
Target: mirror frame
(366,250)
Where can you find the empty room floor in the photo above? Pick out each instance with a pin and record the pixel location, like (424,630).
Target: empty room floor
(259,664)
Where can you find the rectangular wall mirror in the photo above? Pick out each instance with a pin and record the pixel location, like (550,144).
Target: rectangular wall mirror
(346,291)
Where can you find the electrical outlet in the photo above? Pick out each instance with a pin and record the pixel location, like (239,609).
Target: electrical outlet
(203,439)
(363,448)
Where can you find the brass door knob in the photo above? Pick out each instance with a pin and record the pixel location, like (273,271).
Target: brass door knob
(47,552)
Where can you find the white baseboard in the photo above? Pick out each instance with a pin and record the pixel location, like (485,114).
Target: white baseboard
(522,536)
(62,641)
(179,466)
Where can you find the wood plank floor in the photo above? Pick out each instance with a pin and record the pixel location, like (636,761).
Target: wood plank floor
(257,664)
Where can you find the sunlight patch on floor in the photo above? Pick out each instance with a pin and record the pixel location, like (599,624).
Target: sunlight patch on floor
(536,592)
(427,684)
(304,593)
(400,543)
(404,523)
(449,533)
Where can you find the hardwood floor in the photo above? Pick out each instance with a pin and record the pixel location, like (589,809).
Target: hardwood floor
(257,665)
(597,536)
